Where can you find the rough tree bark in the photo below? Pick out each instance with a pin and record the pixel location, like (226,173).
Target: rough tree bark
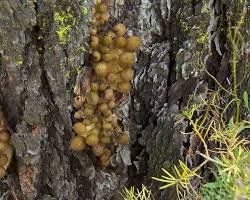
(39,74)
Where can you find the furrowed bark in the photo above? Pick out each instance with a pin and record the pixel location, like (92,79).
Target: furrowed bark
(40,71)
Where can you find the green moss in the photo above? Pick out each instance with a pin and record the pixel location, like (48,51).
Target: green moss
(64,21)
(68,74)
(19,60)
(85,10)
(78,69)
(203,38)
(185,26)
(80,50)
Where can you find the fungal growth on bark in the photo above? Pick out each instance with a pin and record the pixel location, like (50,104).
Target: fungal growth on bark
(6,150)
(112,59)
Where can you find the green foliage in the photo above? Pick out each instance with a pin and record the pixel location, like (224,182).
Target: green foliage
(232,161)
(180,179)
(232,178)
(215,190)
(211,124)
(136,194)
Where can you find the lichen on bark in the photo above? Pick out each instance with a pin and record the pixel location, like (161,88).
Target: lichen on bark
(38,75)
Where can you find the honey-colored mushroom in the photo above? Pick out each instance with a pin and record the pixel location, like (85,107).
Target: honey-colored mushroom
(80,129)
(102,8)
(94,87)
(96,56)
(92,139)
(120,42)
(123,139)
(133,43)
(101,69)
(77,143)
(4,136)
(126,59)
(92,98)
(108,94)
(105,139)
(124,87)
(112,60)
(127,75)
(94,41)
(119,29)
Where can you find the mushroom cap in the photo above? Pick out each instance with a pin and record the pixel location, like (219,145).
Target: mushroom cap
(120,29)
(80,129)
(123,139)
(92,139)
(127,75)
(77,143)
(101,69)
(4,136)
(126,59)
(133,43)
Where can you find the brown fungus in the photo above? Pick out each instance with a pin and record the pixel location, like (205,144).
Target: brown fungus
(77,143)
(133,43)
(120,29)
(126,59)
(101,69)
(112,60)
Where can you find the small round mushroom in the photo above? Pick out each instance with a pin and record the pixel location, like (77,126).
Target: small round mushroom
(94,87)
(126,59)
(107,57)
(123,139)
(133,43)
(80,129)
(108,94)
(102,8)
(111,78)
(93,31)
(105,139)
(77,143)
(92,98)
(127,75)
(111,104)
(96,56)
(119,29)
(107,126)
(4,136)
(103,107)
(107,40)
(94,41)
(92,139)
(120,42)
(101,69)
(124,87)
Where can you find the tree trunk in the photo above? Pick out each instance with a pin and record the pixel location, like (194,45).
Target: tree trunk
(41,71)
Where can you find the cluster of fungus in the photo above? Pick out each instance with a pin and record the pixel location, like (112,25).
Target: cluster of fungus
(6,150)
(112,59)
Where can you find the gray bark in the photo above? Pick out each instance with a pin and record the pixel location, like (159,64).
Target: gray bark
(39,75)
